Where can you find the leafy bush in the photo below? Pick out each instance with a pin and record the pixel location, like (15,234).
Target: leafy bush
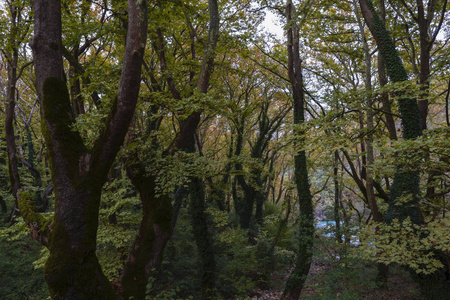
(19,279)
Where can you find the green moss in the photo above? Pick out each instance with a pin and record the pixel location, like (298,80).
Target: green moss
(71,271)
(74,272)
(57,124)
(27,208)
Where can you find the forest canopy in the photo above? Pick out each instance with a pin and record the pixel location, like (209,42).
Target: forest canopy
(185,150)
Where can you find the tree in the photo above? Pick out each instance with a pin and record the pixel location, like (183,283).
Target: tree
(78,173)
(19,29)
(296,281)
(156,226)
(406,182)
(426,18)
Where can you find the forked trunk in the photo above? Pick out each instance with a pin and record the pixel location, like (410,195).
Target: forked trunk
(72,270)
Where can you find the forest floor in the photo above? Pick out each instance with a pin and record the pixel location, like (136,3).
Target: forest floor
(330,278)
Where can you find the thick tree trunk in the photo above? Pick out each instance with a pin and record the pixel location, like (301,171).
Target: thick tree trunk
(389,119)
(435,285)
(72,270)
(404,182)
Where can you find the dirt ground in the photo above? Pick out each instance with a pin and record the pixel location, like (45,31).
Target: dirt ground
(398,287)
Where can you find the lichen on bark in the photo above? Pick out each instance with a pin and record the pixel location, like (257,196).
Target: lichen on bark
(39,226)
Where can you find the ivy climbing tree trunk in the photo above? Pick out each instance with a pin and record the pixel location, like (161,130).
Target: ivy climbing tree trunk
(296,280)
(405,183)
(72,270)
(389,119)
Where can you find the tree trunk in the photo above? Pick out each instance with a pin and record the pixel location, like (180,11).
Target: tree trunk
(435,285)
(296,280)
(185,141)
(155,230)
(181,193)
(203,237)
(404,182)
(371,200)
(389,119)
(9,127)
(337,196)
(12,60)
(72,270)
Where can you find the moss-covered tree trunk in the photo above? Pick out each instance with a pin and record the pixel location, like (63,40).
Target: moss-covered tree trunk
(296,281)
(72,270)
(404,182)
(382,78)
(405,196)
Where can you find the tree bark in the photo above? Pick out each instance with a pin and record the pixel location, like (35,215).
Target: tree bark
(427,39)
(390,123)
(337,196)
(435,285)
(382,268)
(72,270)
(9,127)
(404,182)
(297,278)
(3,205)
(185,141)
(155,230)
(12,60)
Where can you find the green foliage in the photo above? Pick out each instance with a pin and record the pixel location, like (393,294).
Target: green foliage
(407,244)
(345,274)
(18,252)
(120,215)
(248,74)
(181,268)
(241,266)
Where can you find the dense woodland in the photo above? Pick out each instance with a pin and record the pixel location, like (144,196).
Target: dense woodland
(181,150)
